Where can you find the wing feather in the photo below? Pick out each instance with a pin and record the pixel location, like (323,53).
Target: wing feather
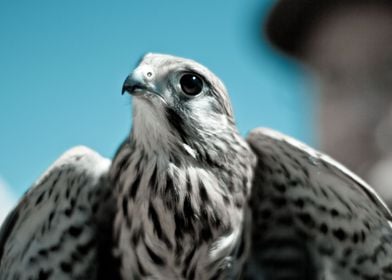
(6,229)
(262,139)
(64,200)
(307,209)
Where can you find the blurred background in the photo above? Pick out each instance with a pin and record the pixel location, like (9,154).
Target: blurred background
(318,71)
(346,49)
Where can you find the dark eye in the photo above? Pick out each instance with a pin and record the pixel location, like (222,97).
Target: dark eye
(191,84)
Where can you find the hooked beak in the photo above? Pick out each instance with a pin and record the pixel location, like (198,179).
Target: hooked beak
(133,86)
(137,87)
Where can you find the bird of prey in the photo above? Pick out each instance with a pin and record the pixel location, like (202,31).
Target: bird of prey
(183,175)
(61,228)
(195,200)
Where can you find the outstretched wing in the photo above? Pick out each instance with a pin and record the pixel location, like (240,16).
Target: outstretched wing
(61,228)
(304,205)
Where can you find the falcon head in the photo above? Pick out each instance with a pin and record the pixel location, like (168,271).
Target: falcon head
(177,99)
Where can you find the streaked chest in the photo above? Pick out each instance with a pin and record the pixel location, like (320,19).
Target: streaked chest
(173,218)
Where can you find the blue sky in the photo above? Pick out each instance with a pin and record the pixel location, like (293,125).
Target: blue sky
(62,64)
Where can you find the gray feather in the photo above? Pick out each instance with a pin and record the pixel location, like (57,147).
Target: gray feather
(322,221)
(61,227)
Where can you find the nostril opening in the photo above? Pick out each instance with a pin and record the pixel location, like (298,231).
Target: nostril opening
(137,87)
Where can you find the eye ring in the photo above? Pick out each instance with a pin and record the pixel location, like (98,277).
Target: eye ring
(191,84)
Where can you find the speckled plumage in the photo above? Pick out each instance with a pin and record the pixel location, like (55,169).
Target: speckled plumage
(312,218)
(309,217)
(61,228)
(186,197)
(183,177)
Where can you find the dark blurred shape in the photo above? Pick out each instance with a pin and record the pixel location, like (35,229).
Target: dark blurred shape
(348,45)
(291,22)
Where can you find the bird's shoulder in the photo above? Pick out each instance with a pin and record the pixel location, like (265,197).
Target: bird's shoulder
(72,183)
(286,161)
